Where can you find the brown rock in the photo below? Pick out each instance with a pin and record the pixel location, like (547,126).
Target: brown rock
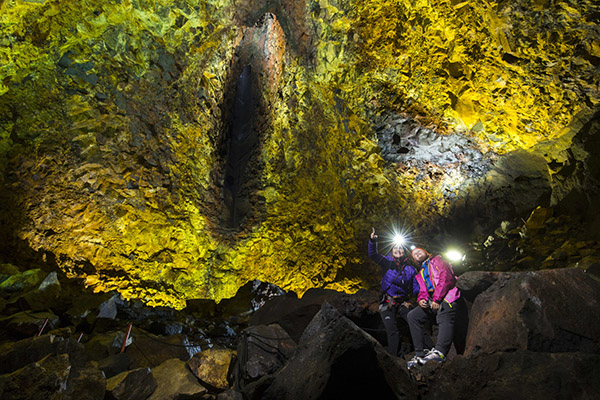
(42,380)
(518,375)
(88,384)
(535,311)
(263,350)
(150,350)
(473,283)
(174,381)
(212,366)
(137,384)
(337,359)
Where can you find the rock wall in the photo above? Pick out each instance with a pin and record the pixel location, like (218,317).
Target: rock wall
(115,121)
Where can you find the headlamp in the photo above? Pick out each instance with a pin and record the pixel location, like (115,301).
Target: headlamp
(399,240)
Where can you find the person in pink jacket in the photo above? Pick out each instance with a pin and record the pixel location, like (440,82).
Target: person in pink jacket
(439,302)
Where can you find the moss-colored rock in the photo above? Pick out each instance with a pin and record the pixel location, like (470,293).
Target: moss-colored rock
(114,119)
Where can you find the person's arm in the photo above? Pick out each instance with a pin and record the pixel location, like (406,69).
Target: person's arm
(375,256)
(423,295)
(415,284)
(382,261)
(446,280)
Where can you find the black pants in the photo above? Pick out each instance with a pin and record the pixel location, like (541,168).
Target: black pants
(446,317)
(389,315)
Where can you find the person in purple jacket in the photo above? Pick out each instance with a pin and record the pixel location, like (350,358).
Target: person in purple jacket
(439,302)
(398,284)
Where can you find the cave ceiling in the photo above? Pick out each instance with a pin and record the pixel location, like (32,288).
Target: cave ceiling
(172,150)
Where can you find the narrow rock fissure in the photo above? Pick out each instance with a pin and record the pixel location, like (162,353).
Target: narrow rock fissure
(243,139)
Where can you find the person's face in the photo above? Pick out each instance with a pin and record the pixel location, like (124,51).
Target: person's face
(419,255)
(397,252)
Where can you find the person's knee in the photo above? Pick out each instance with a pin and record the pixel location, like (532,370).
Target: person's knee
(412,317)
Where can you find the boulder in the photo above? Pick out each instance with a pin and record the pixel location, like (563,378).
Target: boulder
(249,297)
(102,345)
(22,281)
(108,309)
(114,364)
(262,351)
(87,383)
(212,367)
(150,350)
(25,324)
(45,295)
(294,314)
(473,283)
(517,375)
(45,379)
(537,311)
(137,384)
(175,381)
(16,355)
(230,395)
(337,359)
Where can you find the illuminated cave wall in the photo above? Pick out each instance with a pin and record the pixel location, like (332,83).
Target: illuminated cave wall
(116,120)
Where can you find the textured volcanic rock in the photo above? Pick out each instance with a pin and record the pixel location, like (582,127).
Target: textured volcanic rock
(517,375)
(294,314)
(262,351)
(212,367)
(336,359)
(175,381)
(44,379)
(537,311)
(137,384)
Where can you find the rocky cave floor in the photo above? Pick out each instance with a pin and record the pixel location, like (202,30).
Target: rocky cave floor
(533,332)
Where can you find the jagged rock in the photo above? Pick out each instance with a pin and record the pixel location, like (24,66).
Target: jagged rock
(230,395)
(41,380)
(336,359)
(473,283)
(15,355)
(294,314)
(149,350)
(517,375)
(114,364)
(108,309)
(537,311)
(263,350)
(201,308)
(23,281)
(212,367)
(175,381)
(45,295)
(101,346)
(25,324)
(88,383)
(85,306)
(137,384)
(249,297)
(7,270)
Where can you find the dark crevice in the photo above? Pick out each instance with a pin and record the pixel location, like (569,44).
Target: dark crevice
(242,141)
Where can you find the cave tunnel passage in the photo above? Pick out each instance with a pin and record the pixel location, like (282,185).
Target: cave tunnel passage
(243,139)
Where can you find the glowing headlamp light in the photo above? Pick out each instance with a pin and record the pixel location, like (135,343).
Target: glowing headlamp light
(454,255)
(399,240)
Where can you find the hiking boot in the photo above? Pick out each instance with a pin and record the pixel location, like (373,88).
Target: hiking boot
(414,362)
(434,355)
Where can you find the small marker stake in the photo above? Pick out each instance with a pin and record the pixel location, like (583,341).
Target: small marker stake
(42,328)
(126,337)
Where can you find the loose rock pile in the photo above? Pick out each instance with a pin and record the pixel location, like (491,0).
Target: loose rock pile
(532,332)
